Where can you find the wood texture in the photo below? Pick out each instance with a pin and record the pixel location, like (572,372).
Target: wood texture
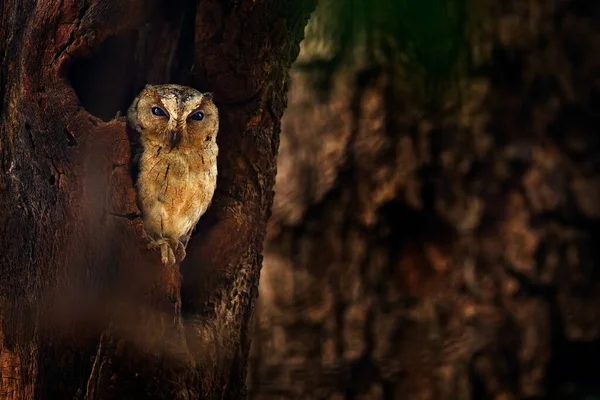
(85,310)
(436,253)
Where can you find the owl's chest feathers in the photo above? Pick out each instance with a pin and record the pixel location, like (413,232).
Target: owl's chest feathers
(176,187)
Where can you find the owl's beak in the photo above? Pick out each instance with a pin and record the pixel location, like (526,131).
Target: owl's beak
(175,138)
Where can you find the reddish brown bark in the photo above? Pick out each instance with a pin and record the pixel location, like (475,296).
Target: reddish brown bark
(86,311)
(449,253)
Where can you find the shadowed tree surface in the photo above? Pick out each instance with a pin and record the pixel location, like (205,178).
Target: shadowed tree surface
(85,310)
(435,225)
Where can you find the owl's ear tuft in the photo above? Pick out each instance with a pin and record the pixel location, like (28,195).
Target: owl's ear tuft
(148,86)
(208,95)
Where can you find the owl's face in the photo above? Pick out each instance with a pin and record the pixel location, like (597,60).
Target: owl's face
(174,116)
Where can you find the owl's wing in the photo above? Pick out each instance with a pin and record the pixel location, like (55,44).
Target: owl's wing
(186,238)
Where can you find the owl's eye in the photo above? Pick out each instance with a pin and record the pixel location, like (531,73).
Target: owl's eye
(158,112)
(199,116)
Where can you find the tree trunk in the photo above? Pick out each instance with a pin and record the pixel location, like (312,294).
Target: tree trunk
(437,206)
(86,311)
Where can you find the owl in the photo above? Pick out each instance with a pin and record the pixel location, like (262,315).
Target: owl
(174,130)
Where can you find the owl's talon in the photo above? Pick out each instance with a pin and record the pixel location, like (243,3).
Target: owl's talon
(178,249)
(167,257)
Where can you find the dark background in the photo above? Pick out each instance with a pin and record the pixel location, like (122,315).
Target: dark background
(436,219)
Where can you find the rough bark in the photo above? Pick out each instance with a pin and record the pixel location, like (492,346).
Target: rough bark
(436,250)
(85,310)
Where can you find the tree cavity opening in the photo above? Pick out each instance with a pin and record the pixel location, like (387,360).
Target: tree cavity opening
(106,82)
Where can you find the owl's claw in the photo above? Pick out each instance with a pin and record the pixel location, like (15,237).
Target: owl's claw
(178,249)
(167,257)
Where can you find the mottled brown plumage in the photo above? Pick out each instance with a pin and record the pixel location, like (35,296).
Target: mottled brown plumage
(176,161)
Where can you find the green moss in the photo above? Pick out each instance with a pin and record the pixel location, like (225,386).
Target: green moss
(428,42)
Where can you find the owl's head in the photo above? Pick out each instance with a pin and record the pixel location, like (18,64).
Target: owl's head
(174,116)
